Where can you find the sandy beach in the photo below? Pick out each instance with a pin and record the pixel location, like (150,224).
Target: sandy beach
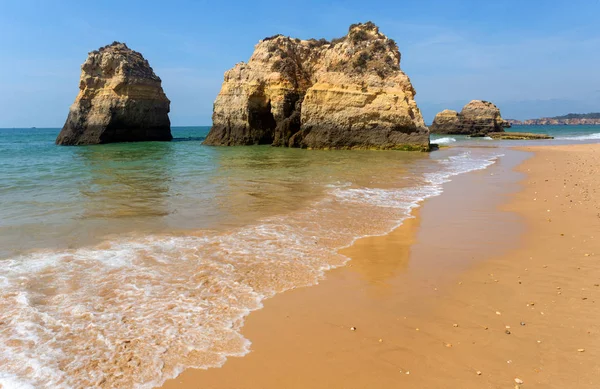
(491,285)
(262,195)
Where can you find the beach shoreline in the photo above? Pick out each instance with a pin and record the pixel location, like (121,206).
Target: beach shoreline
(398,315)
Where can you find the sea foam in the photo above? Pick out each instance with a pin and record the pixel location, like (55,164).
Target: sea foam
(446,140)
(132,312)
(580,137)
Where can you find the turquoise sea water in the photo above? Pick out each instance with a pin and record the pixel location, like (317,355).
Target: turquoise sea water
(561,134)
(122,264)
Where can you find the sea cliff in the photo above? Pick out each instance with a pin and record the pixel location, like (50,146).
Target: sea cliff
(477,118)
(120,100)
(345,94)
(572,119)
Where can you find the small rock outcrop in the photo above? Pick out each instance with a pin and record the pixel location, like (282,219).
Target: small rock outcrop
(344,94)
(477,118)
(120,100)
(518,136)
(445,122)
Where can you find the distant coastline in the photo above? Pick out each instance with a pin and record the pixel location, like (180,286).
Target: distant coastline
(572,119)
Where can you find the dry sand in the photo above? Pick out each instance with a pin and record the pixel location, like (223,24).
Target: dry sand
(491,285)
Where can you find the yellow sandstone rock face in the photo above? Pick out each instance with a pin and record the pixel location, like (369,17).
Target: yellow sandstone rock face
(120,100)
(477,118)
(348,93)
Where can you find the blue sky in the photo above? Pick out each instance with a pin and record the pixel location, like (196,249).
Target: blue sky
(531,57)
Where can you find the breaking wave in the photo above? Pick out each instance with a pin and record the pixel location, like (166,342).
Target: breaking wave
(444,140)
(133,312)
(580,137)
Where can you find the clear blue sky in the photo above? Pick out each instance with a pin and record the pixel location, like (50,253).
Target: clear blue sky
(531,57)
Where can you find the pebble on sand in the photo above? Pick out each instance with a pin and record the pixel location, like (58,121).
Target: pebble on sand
(478,372)
(352,328)
(518,381)
(580,350)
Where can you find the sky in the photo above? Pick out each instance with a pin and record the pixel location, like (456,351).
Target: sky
(532,58)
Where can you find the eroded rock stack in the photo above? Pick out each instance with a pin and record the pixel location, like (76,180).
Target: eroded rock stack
(120,100)
(344,94)
(477,118)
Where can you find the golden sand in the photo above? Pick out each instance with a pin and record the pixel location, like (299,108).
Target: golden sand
(487,287)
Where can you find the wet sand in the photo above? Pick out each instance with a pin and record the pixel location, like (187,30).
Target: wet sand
(492,284)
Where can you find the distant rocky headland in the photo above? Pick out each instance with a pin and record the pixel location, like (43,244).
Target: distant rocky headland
(572,119)
(348,93)
(120,100)
(477,118)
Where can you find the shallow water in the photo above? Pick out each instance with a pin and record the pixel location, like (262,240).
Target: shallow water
(561,134)
(121,265)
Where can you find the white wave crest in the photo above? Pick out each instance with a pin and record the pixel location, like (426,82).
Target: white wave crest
(443,140)
(593,136)
(133,312)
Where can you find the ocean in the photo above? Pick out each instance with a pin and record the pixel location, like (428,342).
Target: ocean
(123,264)
(561,134)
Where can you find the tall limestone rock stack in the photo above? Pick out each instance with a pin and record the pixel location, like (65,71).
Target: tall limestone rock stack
(120,100)
(344,94)
(478,118)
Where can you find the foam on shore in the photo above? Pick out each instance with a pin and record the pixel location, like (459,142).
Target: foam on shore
(446,140)
(580,137)
(135,311)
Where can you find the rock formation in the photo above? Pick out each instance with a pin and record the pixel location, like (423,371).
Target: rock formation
(477,118)
(518,136)
(445,122)
(120,100)
(572,119)
(344,94)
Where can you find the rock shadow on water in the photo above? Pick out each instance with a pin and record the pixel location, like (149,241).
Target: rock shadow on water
(189,139)
(262,180)
(130,180)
